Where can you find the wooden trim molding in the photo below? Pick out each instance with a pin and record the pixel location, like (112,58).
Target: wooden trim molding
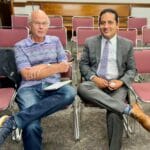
(25,3)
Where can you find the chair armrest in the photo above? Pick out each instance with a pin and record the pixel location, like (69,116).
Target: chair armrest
(134,93)
(139,78)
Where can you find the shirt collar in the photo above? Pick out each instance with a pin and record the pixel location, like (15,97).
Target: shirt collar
(30,42)
(112,40)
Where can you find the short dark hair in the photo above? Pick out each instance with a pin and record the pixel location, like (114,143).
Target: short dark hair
(109,10)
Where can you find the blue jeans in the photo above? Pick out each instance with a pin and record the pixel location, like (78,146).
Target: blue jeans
(34,104)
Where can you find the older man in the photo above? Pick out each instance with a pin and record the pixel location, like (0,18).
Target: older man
(40,60)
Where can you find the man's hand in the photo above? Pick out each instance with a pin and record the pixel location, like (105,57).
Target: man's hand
(44,70)
(64,66)
(114,84)
(100,82)
(31,73)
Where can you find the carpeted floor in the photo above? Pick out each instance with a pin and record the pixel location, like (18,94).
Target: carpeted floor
(59,133)
(58,130)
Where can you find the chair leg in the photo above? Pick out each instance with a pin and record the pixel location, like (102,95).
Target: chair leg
(127,126)
(76,118)
(17,135)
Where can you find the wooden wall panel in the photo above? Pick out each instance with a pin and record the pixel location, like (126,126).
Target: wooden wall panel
(67,10)
(82,9)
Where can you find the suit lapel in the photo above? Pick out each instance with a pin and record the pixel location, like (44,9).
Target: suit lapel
(119,52)
(98,49)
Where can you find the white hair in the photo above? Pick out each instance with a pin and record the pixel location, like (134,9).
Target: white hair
(30,16)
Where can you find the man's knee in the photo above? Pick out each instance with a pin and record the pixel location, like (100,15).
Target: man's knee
(69,95)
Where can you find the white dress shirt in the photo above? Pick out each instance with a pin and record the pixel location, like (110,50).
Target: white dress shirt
(112,68)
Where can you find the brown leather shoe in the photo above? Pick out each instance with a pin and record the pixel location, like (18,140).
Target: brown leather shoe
(140,116)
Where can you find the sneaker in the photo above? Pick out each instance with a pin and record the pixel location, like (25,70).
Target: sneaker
(7,125)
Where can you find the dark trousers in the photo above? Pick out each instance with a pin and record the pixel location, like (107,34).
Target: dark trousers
(113,102)
(114,130)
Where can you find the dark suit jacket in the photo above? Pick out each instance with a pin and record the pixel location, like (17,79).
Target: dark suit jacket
(91,57)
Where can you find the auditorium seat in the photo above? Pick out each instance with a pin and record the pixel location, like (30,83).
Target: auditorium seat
(19,21)
(81,21)
(56,20)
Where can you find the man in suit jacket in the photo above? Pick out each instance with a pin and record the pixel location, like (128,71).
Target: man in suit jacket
(109,90)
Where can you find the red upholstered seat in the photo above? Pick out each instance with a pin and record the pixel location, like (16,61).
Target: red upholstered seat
(60,32)
(11,36)
(142,90)
(80,21)
(19,21)
(6,97)
(56,20)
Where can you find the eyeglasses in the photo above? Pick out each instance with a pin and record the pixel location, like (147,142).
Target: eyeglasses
(40,23)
